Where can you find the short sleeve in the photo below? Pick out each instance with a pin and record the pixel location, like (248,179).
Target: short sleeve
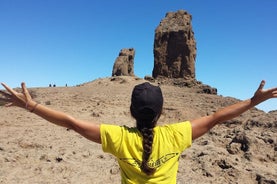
(182,134)
(111,138)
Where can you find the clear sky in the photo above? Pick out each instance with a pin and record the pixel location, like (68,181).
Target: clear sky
(76,41)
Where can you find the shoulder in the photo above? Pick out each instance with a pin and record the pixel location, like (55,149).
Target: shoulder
(110,127)
(178,133)
(114,136)
(180,126)
(116,132)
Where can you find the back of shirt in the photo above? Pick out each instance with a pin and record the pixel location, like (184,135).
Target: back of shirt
(126,144)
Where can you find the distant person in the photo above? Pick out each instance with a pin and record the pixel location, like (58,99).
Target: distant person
(146,153)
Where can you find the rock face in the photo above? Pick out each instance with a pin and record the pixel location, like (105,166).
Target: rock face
(124,63)
(175,47)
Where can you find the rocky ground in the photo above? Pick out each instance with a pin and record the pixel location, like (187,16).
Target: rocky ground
(242,150)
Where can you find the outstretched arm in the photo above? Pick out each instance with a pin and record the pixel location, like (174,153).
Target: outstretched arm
(89,130)
(202,125)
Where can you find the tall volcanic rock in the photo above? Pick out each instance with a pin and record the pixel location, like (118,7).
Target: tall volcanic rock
(175,47)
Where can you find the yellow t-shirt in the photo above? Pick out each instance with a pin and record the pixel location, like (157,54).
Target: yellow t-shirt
(126,144)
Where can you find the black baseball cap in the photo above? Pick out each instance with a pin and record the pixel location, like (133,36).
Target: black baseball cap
(147,101)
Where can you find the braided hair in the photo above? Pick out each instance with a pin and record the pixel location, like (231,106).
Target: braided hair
(147,142)
(146,108)
(146,126)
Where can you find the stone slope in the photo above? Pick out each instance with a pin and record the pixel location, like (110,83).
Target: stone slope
(243,150)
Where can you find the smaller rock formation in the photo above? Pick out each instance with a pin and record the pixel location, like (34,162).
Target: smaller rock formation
(124,63)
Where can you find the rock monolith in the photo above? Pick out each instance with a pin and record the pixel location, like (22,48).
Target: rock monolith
(175,47)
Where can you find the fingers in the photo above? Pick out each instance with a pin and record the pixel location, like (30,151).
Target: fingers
(5,94)
(11,97)
(9,104)
(5,97)
(261,85)
(9,89)
(273,92)
(4,101)
(25,91)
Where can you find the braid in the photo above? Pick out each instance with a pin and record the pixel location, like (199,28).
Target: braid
(147,142)
(146,108)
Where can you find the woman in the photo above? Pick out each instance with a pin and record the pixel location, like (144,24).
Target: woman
(146,153)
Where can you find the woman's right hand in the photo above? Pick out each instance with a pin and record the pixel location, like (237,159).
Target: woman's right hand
(14,98)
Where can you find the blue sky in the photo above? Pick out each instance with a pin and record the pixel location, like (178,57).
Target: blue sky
(76,41)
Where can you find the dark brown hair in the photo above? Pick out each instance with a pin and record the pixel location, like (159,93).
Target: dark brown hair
(146,108)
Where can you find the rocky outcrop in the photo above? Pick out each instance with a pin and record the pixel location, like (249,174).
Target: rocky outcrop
(124,63)
(197,86)
(175,47)
(174,55)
